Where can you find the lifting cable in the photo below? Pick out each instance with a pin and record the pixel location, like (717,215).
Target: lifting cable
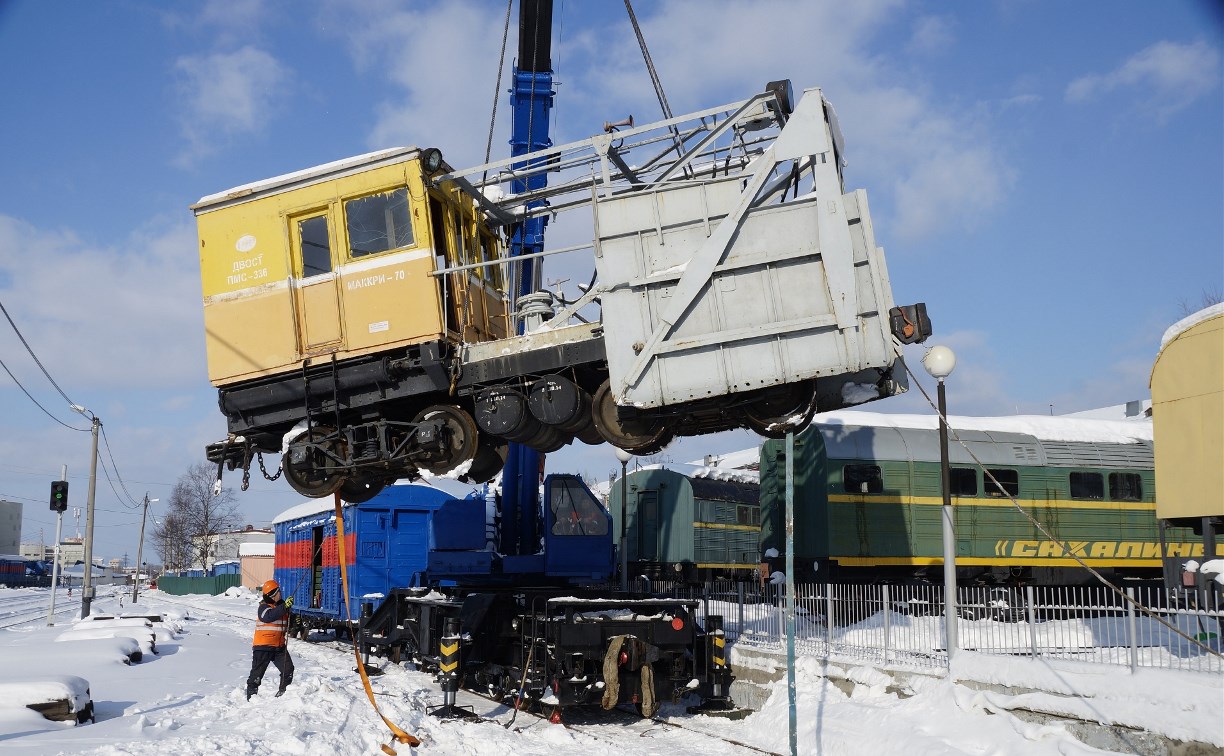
(658,85)
(501,66)
(1041,528)
(397,733)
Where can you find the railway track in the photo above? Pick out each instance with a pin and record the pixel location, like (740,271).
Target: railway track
(23,609)
(605,726)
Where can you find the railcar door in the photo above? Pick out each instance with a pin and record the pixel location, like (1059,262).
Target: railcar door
(648,526)
(314,282)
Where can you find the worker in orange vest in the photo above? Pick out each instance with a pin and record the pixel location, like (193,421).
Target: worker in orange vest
(271,636)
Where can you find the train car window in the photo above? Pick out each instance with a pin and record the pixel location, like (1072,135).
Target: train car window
(316,246)
(575,511)
(962,481)
(1125,487)
(1085,485)
(378,223)
(743,515)
(488,253)
(1009,479)
(865,479)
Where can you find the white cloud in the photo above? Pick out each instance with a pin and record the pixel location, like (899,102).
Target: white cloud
(931,34)
(227,94)
(103,317)
(442,64)
(1164,78)
(706,53)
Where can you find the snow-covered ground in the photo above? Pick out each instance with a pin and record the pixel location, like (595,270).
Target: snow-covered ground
(187,699)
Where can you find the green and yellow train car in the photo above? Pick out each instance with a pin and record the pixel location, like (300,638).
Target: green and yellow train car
(868,502)
(687,528)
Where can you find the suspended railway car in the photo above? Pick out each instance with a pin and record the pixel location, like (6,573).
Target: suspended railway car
(422,569)
(356,314)
(688,527)
(868,501)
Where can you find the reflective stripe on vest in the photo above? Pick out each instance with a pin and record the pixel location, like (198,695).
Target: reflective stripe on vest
(271,633)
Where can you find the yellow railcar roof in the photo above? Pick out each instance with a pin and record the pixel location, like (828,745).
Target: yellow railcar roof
(305,177)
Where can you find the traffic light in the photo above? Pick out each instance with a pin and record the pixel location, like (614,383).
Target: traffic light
(59,495)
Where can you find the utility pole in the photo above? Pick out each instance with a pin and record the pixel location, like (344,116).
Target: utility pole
(140,548)
(87,584)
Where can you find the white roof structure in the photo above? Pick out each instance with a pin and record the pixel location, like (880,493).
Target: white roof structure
(257,549)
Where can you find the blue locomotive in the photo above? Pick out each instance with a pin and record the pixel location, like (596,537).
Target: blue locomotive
(527,592)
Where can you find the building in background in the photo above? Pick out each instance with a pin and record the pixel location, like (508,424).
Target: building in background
(257,560)
(224,547)
(10,527)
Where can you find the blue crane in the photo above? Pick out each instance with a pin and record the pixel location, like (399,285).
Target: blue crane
(531,103)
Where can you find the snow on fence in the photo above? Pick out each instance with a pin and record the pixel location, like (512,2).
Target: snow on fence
(903,624)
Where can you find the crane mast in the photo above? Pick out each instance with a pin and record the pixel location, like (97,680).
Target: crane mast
(531,102)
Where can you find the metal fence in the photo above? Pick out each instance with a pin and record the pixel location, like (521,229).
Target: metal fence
(903,624)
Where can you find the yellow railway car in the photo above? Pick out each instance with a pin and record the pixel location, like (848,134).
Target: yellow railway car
(321,297)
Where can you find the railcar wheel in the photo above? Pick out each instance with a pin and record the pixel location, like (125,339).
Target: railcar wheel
(459,441)
(489,460)
(308,468)
(1005,605)
(781,410)
(359,489)
(640,437)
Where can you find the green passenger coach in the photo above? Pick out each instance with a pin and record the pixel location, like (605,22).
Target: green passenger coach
(688,527)
(868,502)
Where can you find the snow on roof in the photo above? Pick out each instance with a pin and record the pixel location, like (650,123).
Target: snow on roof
(1057,428)
(326,504)
(256,549)
(295,176)
(1188,322)
(1089,427)
(697,470)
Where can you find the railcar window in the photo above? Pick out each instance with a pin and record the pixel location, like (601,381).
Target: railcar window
(575,511)
(865,479)
(1009,479)
(378,223)
(316,247)
(1086,485)
(1125,487)
(488,253)
(962,481)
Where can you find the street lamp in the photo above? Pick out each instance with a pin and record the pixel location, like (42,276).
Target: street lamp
(624,458)
(140,547)
(87,583)
(939,361)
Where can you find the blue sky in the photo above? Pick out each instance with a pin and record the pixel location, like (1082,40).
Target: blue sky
(1047,176)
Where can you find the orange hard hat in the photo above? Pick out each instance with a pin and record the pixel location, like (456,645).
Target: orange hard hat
(270,588)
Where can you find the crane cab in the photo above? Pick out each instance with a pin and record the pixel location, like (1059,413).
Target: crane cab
(339,261)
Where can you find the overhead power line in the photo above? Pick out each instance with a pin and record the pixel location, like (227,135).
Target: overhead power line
(24,343)
(36,404)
